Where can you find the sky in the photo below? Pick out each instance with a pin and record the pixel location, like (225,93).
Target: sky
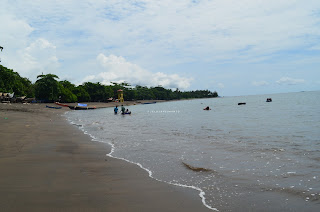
(234,47)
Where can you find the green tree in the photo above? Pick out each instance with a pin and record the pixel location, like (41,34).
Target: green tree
(144,93)
(23,87)
(66,92)
(47,87)
(82,94)
(97,91)
(161,93)
(68,85)
(176,94)
(11,81)
(215,94)
(129,94)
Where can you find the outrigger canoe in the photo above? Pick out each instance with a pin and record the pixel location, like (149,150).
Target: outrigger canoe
(63,105)
(53,107)
(81,108)
(78,107)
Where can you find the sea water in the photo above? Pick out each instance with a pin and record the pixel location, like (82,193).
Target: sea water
(262,156)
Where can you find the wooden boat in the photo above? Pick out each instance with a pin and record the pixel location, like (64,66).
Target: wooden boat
(63,105)
(53,107)
(81,108)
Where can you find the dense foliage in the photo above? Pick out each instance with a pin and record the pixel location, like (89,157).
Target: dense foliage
(11,81)
(48,88)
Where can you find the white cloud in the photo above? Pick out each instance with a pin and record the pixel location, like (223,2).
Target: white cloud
(39,56)
(260,83)
(290,81)
(176,31)
(315,47)
(210,30)
(13,31)
(117,69)
(220,85)
(183,31)
(160,36)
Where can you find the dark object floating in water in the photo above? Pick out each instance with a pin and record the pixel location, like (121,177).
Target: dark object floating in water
(53,107)
(241,103)
(196,169)
(147,103)
(81,108)
(207,108)
(269,100)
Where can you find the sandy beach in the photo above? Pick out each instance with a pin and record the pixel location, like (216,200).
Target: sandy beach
(46,164)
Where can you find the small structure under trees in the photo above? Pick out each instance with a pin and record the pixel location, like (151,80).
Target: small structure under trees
(120,95)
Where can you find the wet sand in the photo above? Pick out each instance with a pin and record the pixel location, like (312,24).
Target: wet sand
(46,164)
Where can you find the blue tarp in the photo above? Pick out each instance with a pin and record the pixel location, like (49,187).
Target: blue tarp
(82,105)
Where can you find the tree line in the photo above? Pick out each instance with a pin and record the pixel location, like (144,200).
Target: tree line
(48,88)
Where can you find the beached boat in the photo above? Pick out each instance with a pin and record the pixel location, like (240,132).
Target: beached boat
(63,105)
(81,108)
(53,107)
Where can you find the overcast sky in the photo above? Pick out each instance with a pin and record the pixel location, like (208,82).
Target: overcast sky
(234,47)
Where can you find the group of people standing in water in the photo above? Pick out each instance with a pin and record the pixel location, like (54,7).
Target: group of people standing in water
(126,111)
(123,110)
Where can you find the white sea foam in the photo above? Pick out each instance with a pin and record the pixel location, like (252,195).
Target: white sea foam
(201,192)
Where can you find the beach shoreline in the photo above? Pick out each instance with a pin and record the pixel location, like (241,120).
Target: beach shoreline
(48,164)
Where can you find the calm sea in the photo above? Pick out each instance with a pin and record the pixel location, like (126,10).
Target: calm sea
(262,156)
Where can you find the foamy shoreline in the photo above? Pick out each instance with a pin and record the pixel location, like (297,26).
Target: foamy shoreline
(47,164)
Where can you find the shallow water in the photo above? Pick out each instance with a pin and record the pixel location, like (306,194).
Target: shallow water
(260,156)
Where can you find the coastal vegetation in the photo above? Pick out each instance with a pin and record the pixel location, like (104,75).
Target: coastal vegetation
(48,88)
(11,81)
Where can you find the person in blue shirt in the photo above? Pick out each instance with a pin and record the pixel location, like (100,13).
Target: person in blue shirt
(115,110)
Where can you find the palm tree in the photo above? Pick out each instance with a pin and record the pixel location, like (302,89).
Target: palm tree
(47,87)
(1,48)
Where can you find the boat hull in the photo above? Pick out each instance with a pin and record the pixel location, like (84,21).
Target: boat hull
(60,104)
(148,103)
(53,107)
(81,108)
